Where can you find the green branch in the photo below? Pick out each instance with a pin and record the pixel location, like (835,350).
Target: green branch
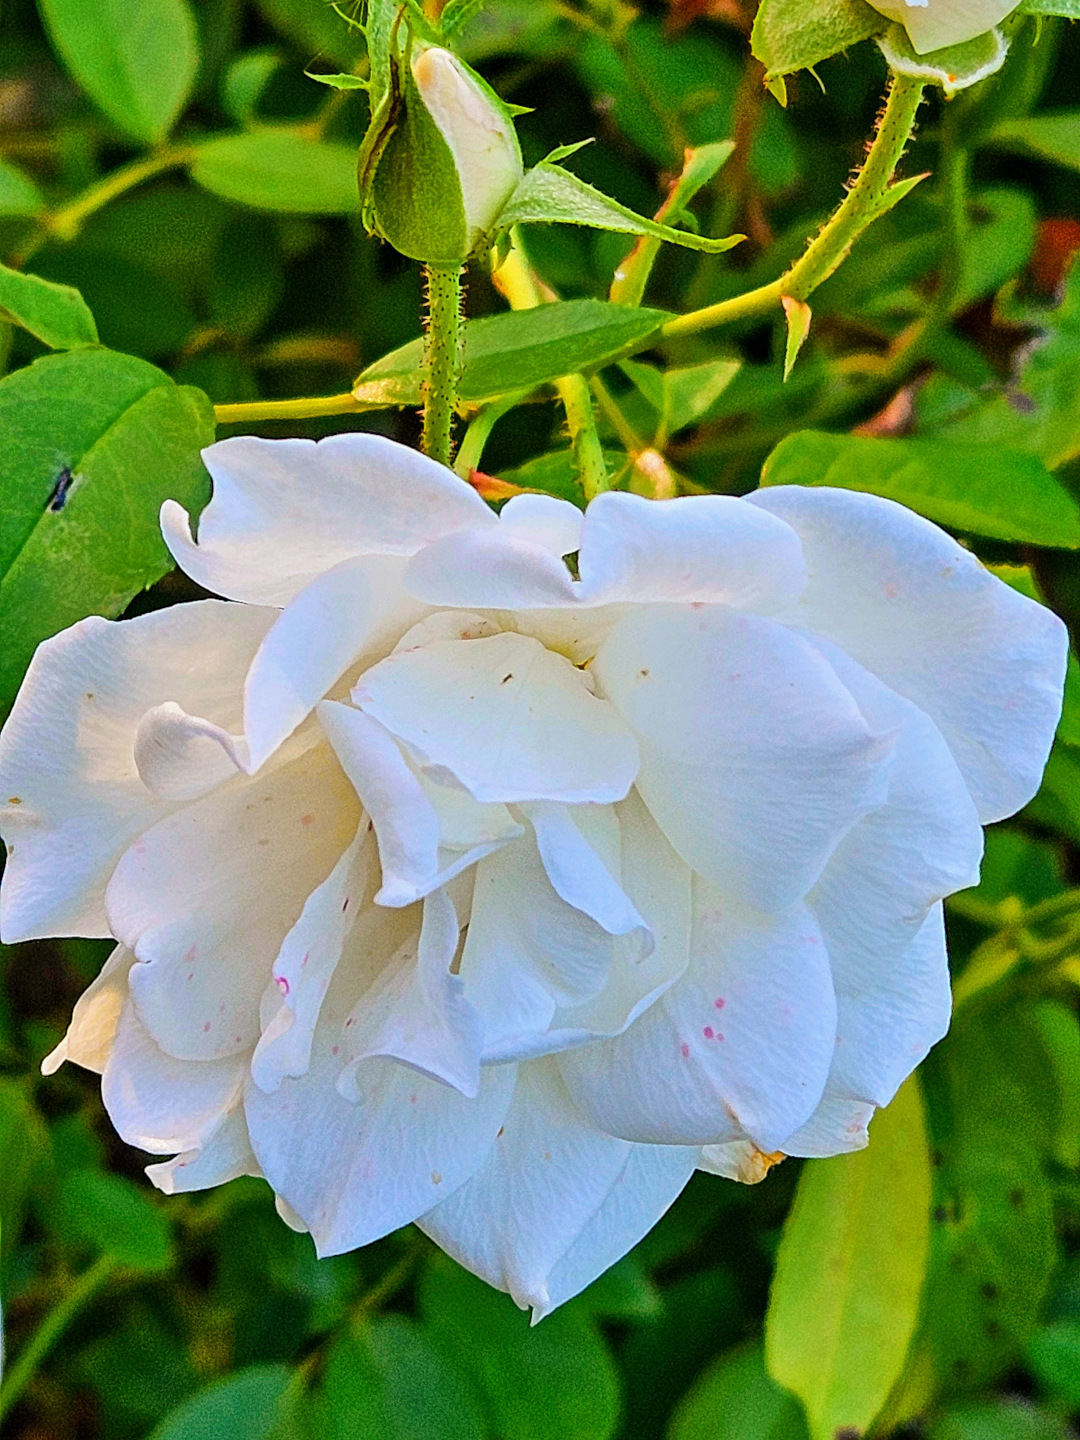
(442,359)
(308,407)
(864,202)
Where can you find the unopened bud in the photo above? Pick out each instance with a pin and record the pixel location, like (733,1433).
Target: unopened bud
(478,131)
(934,24)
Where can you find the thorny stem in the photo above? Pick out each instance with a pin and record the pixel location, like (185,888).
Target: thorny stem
(51,1328)
(859,208)
(442,359)
(520,286)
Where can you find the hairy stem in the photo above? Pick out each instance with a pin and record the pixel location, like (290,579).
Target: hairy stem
(860,208)
(442,359)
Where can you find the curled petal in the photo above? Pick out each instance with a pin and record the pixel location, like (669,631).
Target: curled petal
(755,759)
(739,1048)
(708,548)
(180,757)
(223,1155)
(71,797)
(286,511)
(507,719)
(553,1204)
(94,1020)
(919,611)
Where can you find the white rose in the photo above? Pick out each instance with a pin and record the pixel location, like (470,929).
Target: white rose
(451,888)
(934,24)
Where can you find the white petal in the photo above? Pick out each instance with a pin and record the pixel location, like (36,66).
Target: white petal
(739,1048)
(419,1014)
(447,625)
(305,965)
(490,570)
(206,898)
(653,1179)
(919,611)
(891,1016)
(506,718)
(354,1172)
(407,823)
(660,884)
(95,1017)
(354,610)
(543,1184)
(578,873)
(756,760)
(710,548)
(738,1160)
(935,24)
(224,1154)
(542,519)
(284,511)
(71,799)
(161,1104)
(180,756)
(836,1127)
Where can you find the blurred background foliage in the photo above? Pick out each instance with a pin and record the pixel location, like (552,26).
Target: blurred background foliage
(199,190)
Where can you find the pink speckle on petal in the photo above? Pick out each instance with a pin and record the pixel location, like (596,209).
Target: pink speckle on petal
(684,1050)
(708,1032)
(719,1003)
(307,819)
(206,1028)
(334,1049)
(282,984)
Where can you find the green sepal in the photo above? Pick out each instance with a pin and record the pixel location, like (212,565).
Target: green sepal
(340,82)
(456,14)
(416,202)
(549,195)
(954,68)
(792,35)
(383,27)
(798,315)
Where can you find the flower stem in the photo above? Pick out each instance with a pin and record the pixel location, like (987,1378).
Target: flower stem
(442,359)
(861,206)
(51,1328)
(584,436)
(308,407)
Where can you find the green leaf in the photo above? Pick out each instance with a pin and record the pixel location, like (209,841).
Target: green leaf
(1055,136)
(985,490)
(1070,9)
(280,169)
(999,1419)
(93,443)
(254,1404)
(547,1383)
(1054,1355)
(136,58)
(550,195)
(845,1294)
(245,82)
(24,1144)
(56,314)
(681,396)
(339,82)
(518,350)
(990,1092)
(737,1399)
(954,68)
(792,35)
(388,1382)
(115,1218)
(18,193)
(798,316)
(1037,411)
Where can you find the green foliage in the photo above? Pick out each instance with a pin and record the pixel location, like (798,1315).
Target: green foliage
(136,58)
(1006,495)
(95,442)
(279,170)
(56,314)
(849,1273)
(1049,137)
(792,35)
